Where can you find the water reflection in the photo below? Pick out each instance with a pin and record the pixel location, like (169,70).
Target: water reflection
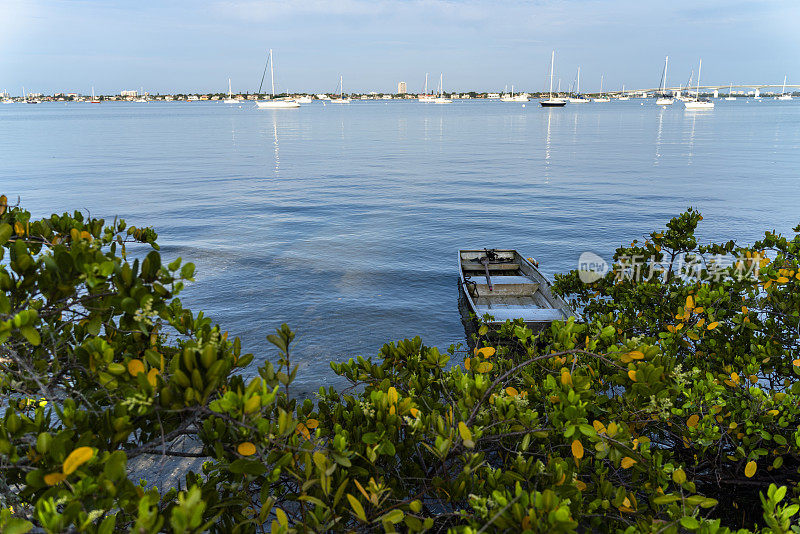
(275,144)
(658,135)
(547,147)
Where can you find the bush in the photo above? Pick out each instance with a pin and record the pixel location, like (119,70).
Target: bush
(671,404)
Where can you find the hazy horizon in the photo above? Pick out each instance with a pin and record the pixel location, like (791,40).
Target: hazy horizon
(177,47)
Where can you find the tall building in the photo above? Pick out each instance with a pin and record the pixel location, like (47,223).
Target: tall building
(401,88)
(128,93)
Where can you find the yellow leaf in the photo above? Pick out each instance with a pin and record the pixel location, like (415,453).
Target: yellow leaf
(135,367)
(627,462)
(692,421)
(773,412)
(393,396)
(311,424)
(712,326)
(246,449)
(414,412)
(796,362)
(632,375)
(577,449)
(76,458)
(301,429)
(636,355)
(484,367)
(690,302)
(486,352)
(782,280)
(693,336)
(580,485)
(511,391)
(466,363)
(54,478)
(612,429)
(466,435)
(151,377)
(598,426)
(566,377)
(750,469)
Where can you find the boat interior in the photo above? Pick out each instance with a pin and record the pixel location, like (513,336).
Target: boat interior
(507,286)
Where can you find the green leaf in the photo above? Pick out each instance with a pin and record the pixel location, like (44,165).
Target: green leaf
(16,525)
(357,508)
(5,233)
(393,517)
(249,467)
(690,523)
(31,334)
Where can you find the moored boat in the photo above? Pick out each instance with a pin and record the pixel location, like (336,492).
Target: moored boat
(506,286)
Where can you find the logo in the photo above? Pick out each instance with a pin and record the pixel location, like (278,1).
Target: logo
(591,267)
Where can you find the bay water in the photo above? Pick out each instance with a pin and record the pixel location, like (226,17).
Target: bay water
(344,221)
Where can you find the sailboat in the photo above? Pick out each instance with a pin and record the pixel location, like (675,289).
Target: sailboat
(230,99)
(94,99)
(514,98)
(663,99)
(601,98)
(698,103)
(783,95)
(623,96)
(341,99)
(440,98)
(26,100)
(577,99)
(552,102)
(730,93)
(425,97)
(273,103)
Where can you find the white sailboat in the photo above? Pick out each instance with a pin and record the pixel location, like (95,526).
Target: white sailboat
(514,98)
(440,98)
(663,99)
(552,102)
(305,99)
(601,98)
(577,99)
(730,93)
(425,97)
(698,103)
(341,99)
(623,96)
(230,99)
(273,103)
(783,95)
(94,99)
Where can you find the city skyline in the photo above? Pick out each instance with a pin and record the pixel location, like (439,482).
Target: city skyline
(69,46)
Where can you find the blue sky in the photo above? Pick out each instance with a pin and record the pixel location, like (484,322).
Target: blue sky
(181,46)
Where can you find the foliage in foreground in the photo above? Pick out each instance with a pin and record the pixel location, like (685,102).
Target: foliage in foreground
(671,405)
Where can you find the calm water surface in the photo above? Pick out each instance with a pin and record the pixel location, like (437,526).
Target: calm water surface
(344,221)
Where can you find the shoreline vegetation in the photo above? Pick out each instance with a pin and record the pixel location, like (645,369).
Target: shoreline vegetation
(670,403)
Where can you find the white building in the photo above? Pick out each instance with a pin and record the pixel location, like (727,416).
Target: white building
(129,93)
(401,88)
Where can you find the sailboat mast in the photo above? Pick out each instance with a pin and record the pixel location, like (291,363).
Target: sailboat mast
(230,93)
(666,62)
(272,72)
(601,86)
(699,67)
(552,59)
(578,89)
(784,85)
(341,87)
(426,83)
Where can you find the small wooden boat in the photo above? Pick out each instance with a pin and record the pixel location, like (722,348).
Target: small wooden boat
(507,286)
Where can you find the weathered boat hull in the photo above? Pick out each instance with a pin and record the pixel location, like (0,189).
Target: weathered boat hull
(514,289)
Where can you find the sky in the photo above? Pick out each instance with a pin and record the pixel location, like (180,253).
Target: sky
(183,46)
